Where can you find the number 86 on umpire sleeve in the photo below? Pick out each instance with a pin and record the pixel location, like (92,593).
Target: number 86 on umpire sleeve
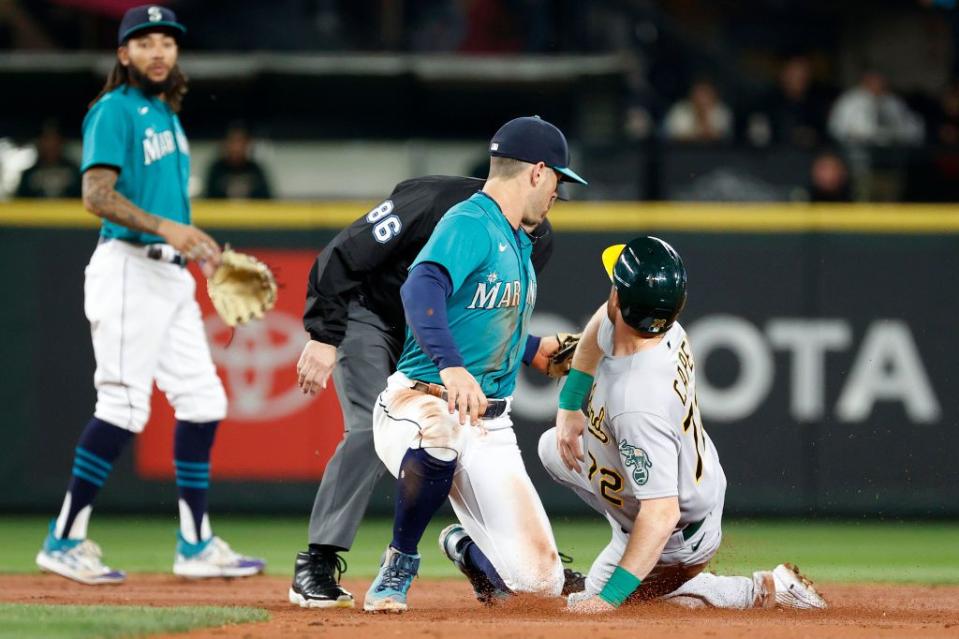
(386,226)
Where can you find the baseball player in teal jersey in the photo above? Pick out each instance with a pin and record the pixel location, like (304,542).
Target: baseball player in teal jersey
(145,322)
(491,272)
(468,300)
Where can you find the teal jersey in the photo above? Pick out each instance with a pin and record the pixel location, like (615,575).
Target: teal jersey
(141,137)
(494,290)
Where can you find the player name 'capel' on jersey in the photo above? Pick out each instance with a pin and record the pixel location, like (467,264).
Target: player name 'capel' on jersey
(683,371)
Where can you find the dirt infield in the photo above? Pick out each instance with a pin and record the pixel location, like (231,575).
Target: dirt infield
(445,609)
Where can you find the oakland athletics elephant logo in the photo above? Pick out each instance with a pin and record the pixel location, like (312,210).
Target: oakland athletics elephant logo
(638,459)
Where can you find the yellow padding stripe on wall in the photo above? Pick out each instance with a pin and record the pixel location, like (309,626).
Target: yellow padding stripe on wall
(567,216)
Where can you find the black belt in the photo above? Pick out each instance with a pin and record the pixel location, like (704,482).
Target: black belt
(494,407)
(691,529)
(154,252)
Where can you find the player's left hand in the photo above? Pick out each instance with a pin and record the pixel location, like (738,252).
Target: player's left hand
(590,606)
(570,425)
(548,345)
(554,356)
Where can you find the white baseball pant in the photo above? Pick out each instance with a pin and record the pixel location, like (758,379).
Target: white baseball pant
(492,495)
(678,574)
(146,326)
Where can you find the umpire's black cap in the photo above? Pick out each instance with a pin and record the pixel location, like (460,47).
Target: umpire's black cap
(533,139)
(148,17)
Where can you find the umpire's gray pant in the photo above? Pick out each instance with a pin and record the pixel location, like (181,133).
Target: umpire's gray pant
(364,360)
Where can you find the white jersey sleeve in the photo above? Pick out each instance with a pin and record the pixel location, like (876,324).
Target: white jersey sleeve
(604,337)
(649,451)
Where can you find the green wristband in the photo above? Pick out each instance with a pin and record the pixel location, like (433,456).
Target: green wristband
(621,584)
(575,390)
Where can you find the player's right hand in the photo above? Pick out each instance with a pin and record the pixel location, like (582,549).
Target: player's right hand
(570,425)
(190,241)
(316,363)
(464,394)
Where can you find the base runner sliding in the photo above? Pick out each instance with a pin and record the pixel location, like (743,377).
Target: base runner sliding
(640,456)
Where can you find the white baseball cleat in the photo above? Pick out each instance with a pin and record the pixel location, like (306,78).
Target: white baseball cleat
(793,590)
(213,558)
(76,559)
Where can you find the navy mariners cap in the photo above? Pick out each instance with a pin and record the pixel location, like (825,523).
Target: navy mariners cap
(533,139)
(148,17)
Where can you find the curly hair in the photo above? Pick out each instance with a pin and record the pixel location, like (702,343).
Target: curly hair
(173,95)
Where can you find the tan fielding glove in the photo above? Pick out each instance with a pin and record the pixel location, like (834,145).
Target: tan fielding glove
(242,288)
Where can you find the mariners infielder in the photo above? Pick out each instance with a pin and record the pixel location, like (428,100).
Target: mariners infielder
(442,425)
(139,298)
(650,468)
(354,317)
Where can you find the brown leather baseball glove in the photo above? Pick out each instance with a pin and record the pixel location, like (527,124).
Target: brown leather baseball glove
(557,363)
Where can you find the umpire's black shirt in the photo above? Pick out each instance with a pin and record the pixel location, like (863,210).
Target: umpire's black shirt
(369,260)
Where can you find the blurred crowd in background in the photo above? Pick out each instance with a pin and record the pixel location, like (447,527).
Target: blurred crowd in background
(233,173)
(863,95)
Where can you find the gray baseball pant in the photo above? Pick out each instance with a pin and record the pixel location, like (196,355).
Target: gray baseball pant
(365,358)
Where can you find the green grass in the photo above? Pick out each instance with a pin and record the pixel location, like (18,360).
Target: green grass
(77,622)
(916,552)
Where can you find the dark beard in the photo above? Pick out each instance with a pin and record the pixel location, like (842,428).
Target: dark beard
(147,85)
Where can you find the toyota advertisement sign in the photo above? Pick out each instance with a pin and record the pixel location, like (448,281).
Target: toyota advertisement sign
(825,374)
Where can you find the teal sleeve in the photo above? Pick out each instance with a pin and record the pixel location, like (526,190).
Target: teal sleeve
(106,135)
(460,244)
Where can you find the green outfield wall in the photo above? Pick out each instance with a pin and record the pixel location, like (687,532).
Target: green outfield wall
(824,338)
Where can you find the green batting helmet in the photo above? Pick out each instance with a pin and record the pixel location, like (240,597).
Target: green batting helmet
(650,279)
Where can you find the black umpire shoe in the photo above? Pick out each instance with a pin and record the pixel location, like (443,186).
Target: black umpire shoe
(316,581)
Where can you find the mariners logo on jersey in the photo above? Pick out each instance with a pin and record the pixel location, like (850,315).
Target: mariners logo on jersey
(157,145)
(636,458)
(500,294)
(494,290)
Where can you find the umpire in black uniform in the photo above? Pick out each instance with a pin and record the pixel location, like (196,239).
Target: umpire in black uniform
(355,320)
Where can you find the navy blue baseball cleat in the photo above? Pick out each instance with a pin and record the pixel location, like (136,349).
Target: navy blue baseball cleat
(453,542)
